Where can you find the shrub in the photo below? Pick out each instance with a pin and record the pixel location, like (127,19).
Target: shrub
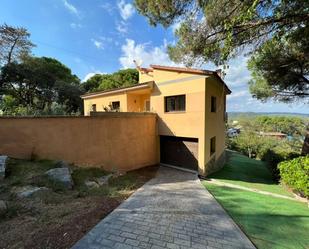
(295,174)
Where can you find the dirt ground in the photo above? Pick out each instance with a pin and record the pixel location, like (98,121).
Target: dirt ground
(58,219)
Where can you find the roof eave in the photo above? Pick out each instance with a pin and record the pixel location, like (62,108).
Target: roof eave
(146,85)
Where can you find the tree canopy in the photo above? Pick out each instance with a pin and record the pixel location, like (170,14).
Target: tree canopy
(37,82)
(121,78)
(218,30)
(14,43)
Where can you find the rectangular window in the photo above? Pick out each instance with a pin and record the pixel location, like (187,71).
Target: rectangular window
(94,108)
(212,145)
(175,103)
(213,104)
(116,105)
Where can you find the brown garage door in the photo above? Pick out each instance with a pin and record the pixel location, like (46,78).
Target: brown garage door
(179,151)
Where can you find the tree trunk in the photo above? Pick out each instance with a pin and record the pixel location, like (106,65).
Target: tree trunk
(249,153)
(305,150)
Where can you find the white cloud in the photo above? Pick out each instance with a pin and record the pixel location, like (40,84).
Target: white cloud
(143,53)
(76,25)
(238,94)
(70,7)
(107,7)
(101,42)
(98,44)
(89,75)
(122,27)
(126,9)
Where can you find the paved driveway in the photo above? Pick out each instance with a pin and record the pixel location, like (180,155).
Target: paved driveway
(173,210)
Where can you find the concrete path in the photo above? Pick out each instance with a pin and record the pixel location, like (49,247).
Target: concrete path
(231,185)
(173,210)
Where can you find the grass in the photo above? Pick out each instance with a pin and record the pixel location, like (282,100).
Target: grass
(80,175)
(246,172)
(269,222)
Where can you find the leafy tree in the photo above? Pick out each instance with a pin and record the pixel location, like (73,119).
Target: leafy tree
(218,30)
(36,82)
(248,142)
(280,68)
(121,78)
(93,83)
(14,43)
(294,126)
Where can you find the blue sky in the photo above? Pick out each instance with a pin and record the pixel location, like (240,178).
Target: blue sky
(101,36)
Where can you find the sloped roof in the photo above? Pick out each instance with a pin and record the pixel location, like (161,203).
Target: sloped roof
(120,89)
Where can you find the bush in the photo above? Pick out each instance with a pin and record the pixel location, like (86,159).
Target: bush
(295,174)
(273,156)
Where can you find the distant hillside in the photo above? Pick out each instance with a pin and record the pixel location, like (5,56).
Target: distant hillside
(235,115)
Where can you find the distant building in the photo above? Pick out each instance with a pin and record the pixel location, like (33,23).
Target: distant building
(278,135)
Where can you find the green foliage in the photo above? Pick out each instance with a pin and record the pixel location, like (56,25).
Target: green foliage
(247,143)
(121,78)
(295,173)
(269,149)
(289,125)
(275,32)
(34,84)
(280,68)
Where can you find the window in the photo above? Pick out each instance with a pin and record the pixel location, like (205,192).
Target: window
(116,105)
(175,103)
(212,145)
(94,108)
(213,104)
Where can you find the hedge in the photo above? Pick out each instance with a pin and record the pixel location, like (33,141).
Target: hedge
(295,174)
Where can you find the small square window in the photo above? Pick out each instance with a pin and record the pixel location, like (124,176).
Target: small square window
(116,105)
(213,104)
(175,103)
(94,108)
(212,145)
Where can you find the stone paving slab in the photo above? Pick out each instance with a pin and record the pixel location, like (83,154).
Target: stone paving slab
(173,210)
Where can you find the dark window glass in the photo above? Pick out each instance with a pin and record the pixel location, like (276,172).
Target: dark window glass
(94,107)
(212,145)
(213,104)
(175,103)
(116,105)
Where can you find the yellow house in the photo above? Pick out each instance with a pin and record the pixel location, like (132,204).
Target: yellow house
(191,111)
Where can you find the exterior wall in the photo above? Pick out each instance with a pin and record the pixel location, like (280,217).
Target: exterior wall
(214,125)
(190,123)
(136,102)
(104,101)
(145,77)
(112,141)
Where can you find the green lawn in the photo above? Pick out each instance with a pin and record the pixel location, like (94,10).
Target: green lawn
(269,222)
(250,173)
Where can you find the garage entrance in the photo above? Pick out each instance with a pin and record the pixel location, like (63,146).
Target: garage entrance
(179,151)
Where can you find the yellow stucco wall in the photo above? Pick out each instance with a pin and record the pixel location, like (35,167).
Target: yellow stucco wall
(215,123)
(104,101)
(191,122)
(195,122)
(136,102)
(113,141)
(145,77)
